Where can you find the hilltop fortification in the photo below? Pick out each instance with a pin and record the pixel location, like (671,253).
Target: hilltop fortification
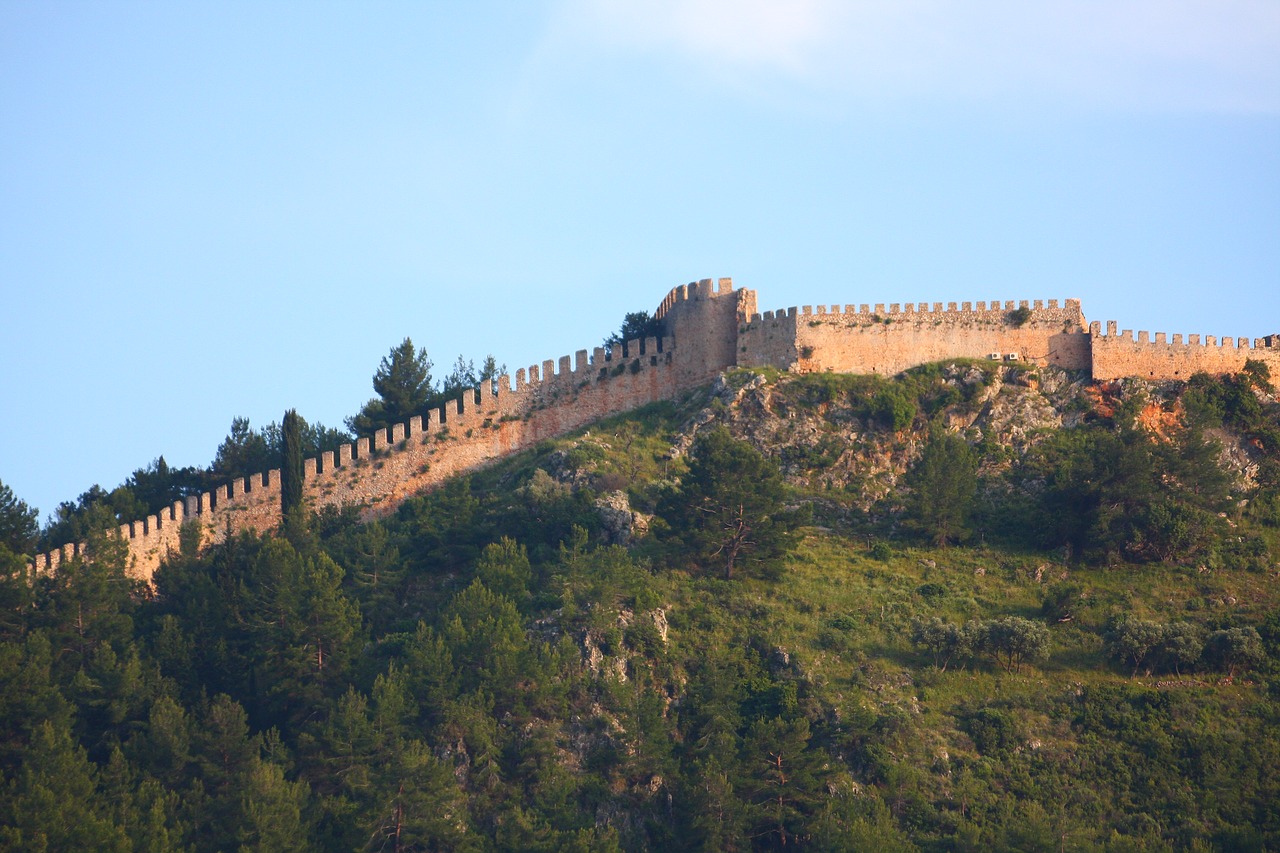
(709,327)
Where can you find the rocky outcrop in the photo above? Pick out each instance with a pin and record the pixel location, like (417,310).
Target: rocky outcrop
(620,523)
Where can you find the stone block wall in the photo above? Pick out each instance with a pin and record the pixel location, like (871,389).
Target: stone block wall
(703,318)
(378,472)
(876,339)
(1116,356)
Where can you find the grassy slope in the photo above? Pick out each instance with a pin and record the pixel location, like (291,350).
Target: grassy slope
(844,619)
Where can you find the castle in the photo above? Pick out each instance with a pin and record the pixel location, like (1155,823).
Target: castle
(709,327)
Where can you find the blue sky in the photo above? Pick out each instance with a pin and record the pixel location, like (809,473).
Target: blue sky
(211,210)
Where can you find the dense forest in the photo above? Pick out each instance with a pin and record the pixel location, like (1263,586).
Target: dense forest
(975,606)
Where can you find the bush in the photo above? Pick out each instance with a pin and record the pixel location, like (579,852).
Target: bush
(1265,509)
(894,408)
(844,622)
(881,551)
(1018,317)
(931,591)
(1060,602)
(1181,647)
(993,730)
(944,641)
(1130,641)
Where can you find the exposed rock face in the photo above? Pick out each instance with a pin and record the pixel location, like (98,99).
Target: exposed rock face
(725,396)
(1014,414)
(621,524)
(830,433)
(1238,456)
(660,623)
(559,465)
(836,445)
(600,664)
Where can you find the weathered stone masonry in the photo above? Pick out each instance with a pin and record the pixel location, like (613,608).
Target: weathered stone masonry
(709,327)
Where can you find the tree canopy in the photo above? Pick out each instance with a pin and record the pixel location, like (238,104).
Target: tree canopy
(292,506)
(406,388)
(19,525)
(485,667)
(731,507)
(944,482)
(636,326)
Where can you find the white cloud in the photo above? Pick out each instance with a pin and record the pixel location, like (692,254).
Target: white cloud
(1179,54)
(734,32)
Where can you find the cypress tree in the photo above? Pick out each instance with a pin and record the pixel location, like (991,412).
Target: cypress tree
(291,468)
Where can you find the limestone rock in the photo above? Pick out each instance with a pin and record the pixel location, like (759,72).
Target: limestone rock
(660,622)
(617,518)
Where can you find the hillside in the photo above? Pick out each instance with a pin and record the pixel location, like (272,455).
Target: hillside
(976,606)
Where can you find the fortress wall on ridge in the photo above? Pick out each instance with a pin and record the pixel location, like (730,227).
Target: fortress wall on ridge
(1116,356)
(873,339)
(703,318)
(709,327)
(378,472)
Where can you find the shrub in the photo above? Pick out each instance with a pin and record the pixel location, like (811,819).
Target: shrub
(931,591)
(894,408)
(992,730)
(1181,647)
(881,551)
(1060,601)
(944,641)
(1130,641)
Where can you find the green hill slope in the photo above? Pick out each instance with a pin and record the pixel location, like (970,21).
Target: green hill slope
(973,607)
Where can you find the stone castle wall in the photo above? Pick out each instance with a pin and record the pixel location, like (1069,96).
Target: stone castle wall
(380,471)
(1116,356)
(866,339)
(709,327)
(703,318)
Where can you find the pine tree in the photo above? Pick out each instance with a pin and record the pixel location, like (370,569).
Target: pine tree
(503,567)
(53,804)
(18,523)
(404,386)
(304,628)
(944,482)
(272,809)
(730,507)
(784,779)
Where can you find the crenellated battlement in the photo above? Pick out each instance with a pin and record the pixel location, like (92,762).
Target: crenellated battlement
(1117,354)
(880,338)
(1163,338)
(692,292)
(976,311)
(709,327)
(379,470)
